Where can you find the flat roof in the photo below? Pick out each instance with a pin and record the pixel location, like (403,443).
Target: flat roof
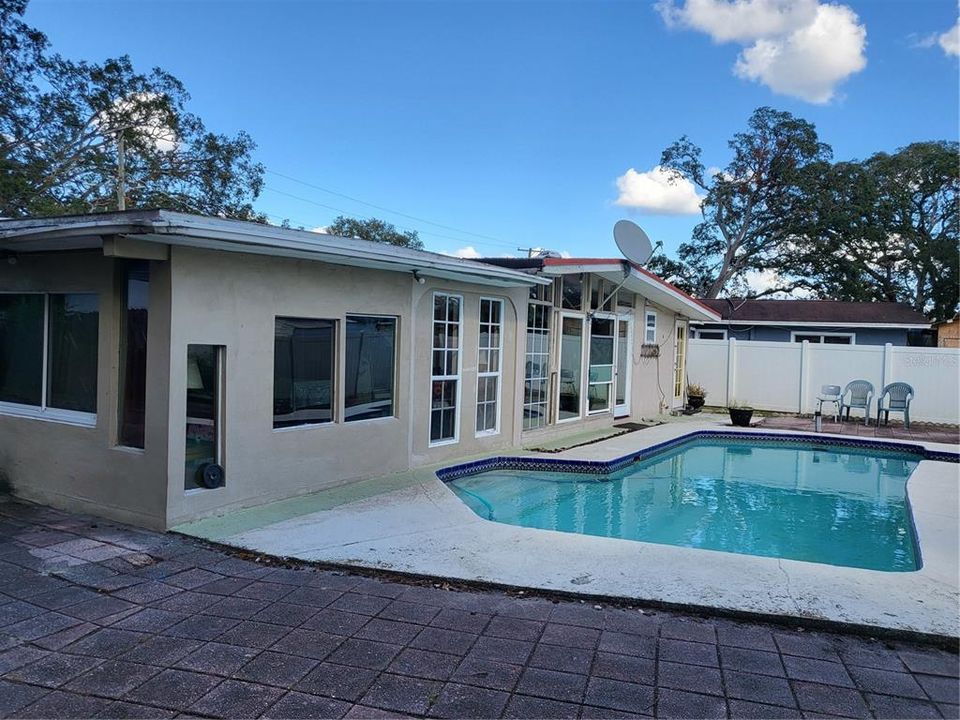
(166,227)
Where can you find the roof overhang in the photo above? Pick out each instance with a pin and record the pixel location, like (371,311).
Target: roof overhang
(86,232)
(788,323)
(635,279)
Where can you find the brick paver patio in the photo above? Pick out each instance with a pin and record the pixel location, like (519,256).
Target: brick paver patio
(102,620)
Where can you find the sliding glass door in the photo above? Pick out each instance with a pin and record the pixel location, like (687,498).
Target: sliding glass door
(624,365)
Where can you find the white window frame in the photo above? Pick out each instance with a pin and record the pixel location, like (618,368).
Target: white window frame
(488,374)
(43,411)
(647,330)
(697,332)
(544,402)
(611,383)
(584,359)
(458,376)
(822,335)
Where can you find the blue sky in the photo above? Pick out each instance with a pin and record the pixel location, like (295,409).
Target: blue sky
(512,121)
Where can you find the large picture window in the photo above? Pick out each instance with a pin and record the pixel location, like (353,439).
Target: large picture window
(488,366)
(536,378)
(48,355)
(368,390)
(445,375)
(303,367)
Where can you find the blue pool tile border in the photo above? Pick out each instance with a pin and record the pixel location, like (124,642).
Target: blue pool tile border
(603,467)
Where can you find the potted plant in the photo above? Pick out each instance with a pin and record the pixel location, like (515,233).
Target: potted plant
(696,396)
(740,414)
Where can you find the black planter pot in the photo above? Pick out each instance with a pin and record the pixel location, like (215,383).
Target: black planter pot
(695,401)
(740,417)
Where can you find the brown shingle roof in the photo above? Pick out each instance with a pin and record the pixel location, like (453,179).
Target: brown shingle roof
(816,311)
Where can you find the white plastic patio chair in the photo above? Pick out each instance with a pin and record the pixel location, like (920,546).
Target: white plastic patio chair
(861,394)
(829,394)
(898,396)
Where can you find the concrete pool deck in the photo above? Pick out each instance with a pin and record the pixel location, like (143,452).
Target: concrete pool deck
(412,523)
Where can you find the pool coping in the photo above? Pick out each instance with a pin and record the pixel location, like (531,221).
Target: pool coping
(599,467)
(424,530)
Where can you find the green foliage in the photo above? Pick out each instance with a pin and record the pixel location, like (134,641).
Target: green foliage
(60,126)
(376,231)
(748,206)
(881,229)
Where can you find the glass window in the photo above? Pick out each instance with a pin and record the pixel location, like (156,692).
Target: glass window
(204,381)
(536,379)
(445,376)
(625,298)
(650,329)
(571,296)
(623,361)
(56,370)
(601,364)
(489,366)
(303,363)
(133,353)
(72,352)
(711,334)
(571,367)
(369,367)
(600,289)
(680,361)
(21,348)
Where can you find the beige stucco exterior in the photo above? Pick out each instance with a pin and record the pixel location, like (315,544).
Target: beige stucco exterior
(231,299)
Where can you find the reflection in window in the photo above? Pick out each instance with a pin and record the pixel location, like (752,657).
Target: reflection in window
(571,367)
(488,367)
(303,362)
(21,348)
(537,368)
(445,376)
(204,378)
(369,367)
(133,353)
(572,292)
(601,290)
(601,364)
(650,329)
(65,357)
(72,352)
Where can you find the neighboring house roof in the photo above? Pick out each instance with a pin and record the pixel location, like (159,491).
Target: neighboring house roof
(165,227)
(616,270)
(820,313)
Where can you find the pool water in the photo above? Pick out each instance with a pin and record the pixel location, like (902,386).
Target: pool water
(840,506)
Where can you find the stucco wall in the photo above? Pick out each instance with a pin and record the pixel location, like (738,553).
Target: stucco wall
(652,387)
(81,468)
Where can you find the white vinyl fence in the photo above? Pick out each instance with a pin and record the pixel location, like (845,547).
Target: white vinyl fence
(787,376)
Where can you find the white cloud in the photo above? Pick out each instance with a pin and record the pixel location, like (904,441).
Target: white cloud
(950,40)
(322,229)
(134,113)
(469,252)
(739,20)
(658,191)
(801,48)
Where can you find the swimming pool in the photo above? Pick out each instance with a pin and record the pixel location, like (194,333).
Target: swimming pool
(798,500)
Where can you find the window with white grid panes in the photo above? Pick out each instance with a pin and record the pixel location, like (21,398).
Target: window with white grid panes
(490,355)
(536,379)
(445,374)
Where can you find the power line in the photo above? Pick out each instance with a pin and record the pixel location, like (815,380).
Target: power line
(390,210)
(352,215)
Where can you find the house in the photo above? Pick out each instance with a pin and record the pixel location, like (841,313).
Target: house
(817,321)
(158,367)
(948,332)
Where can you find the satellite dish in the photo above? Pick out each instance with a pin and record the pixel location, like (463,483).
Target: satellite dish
(633,241)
